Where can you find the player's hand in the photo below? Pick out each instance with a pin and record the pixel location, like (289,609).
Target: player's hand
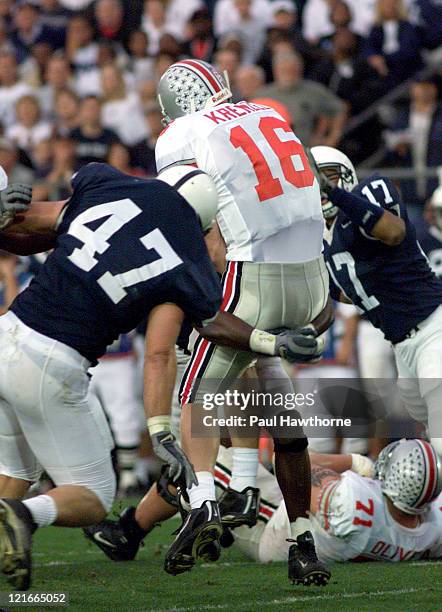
(15,198)
(362,465)
(168,450)
(300,345)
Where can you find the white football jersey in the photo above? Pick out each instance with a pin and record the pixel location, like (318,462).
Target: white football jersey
(353,522)
(269,200)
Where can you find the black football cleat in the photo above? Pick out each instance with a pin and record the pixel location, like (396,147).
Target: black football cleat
(238,509)
(304,566)
(16,528)
(197,538)
(119,540)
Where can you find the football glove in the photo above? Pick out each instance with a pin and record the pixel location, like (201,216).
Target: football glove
(166,448)
(362,465)
(300,345)
(14,199)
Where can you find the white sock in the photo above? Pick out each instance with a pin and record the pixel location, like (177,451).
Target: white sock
(300,526)
(245,468)
(43,510)
(204,490)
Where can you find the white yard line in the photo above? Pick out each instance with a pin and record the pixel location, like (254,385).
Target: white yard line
(292,600)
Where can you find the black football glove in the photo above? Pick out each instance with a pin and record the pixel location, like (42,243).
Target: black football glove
(168,450)
(300,345)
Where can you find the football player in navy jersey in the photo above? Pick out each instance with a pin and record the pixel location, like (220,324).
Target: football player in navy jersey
(124,248)
(429,233)
(375,261)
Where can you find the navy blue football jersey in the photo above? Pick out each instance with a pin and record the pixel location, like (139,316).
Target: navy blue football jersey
(393,285)
(430,239)
(124,246)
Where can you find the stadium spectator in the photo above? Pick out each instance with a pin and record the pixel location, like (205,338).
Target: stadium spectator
(11,88)
(169,44)
(64,164)
(53,14)
(140,63)
(66,112)
(348,75)
(9,161)
(201,41)
(154,23)
(42,160)
(119,158)
(28,30)
(250,31)
(178,14)
(92,140)
(119,104)
(227,60)
(34,68)
(143,155)
(29,129)
(8,280)
(227,17)
(394,45)
(317,18)
(58,77)
(318,115)
(250,79)
(340,17)
(109,21)
(81,48)
(416,139)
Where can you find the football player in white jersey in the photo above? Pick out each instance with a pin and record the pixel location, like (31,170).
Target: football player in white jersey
(394,516)
(270,219)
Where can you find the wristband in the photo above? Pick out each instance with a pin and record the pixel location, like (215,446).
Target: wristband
(363,213)
(262,342)
(158,423)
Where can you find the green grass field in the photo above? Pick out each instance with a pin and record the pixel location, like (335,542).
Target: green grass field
(65,561)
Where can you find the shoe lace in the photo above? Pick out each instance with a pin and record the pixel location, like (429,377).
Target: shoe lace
(308,551)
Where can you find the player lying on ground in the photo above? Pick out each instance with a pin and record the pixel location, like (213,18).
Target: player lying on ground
(375,261)
(394,516)
(270,219)
(120,254)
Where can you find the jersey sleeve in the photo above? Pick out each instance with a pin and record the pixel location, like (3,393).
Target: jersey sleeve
(383,192)
(338,515)
(174,146)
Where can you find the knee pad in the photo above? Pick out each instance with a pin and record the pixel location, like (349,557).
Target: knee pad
(296,445)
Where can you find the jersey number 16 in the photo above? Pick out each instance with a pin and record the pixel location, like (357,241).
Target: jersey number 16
(290,153)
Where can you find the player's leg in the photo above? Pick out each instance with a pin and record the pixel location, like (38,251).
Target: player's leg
(113,380)
(120,540)
(18,465)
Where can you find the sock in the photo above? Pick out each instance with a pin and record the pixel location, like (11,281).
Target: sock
(300,526)
(43,510)
(245,468)
(146,468)
(204,490)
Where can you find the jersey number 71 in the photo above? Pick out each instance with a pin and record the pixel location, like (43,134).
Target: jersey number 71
(290,153)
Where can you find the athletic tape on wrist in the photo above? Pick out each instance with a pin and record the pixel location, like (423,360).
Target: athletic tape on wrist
(158,423)
(262,342)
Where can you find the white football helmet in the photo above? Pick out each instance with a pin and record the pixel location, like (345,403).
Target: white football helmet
(436,205)
(198,188)
(328,157)
(410,474)
(189,86)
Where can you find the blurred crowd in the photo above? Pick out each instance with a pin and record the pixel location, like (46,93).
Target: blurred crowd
(78,77)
